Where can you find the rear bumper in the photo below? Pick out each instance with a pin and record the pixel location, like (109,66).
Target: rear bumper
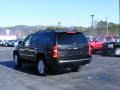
(59,63)
(71,63)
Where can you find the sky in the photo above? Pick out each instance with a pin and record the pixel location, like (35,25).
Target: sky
(50,12)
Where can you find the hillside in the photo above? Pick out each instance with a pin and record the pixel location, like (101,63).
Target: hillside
(20,29)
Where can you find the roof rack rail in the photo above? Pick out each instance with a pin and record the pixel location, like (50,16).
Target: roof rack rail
(59,30)
(49,30)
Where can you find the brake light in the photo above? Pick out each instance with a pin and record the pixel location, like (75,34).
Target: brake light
(55,51)
(71,32)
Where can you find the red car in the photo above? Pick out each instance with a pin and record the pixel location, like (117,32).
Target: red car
(97,44)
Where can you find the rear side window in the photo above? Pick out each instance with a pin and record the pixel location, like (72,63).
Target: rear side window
(71,38)
(46,38)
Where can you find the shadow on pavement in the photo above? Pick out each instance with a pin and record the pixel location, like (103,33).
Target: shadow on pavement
(25,69)
(30,69)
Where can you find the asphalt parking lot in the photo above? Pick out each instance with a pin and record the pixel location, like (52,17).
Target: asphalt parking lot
(101,74)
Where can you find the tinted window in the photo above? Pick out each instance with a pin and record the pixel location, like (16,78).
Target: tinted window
(88,39)
(116,37)
(66,39)
(108,39)
(34,38)
(46,38)
(27,41)
(119,38)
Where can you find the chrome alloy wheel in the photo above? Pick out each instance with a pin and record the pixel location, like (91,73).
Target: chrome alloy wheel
(16,60)
(41,67)
(117,52)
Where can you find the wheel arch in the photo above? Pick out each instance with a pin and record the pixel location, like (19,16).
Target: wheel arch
(40,55)
(15,52)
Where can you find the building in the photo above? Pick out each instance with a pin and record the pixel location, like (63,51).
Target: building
(6,35)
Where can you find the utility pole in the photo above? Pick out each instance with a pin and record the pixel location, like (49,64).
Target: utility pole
(119,16)
(92,19)
(119,12)
(107,26)
(92,16)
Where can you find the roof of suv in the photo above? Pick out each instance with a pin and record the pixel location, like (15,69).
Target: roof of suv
(59,31)
(56,31)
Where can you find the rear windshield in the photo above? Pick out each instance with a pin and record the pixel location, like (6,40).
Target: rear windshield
(116,37)
(68,38)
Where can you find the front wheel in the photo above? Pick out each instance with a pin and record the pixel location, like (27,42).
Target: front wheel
(117,51)
(41,67)
(17,61)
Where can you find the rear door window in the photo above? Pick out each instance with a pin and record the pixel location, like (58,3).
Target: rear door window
(46,38)
(71,38)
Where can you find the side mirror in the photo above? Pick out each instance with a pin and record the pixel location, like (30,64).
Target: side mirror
(18,43)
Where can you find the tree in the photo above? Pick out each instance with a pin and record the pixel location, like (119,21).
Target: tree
(101,28)
(114,28)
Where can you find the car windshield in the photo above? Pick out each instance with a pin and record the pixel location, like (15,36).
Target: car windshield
(89,39)
(118,39)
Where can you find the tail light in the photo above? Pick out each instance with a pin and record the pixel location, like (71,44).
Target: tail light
(55,51)
(72,32)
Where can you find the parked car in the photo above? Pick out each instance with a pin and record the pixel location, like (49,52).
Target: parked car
(17,43)
(10,43)
(3,43)
(52,50)
(90,38)
(97,44)
(112,48)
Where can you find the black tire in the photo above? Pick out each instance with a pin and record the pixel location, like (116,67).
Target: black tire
(104,53)
(93,51)
(17,61)
(41,67)
(75,68)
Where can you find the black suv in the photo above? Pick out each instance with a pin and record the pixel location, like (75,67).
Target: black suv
(52,50)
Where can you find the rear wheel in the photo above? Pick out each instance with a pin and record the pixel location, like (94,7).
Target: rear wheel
(41,67)
(18,63)
(75,68)
(117,51)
